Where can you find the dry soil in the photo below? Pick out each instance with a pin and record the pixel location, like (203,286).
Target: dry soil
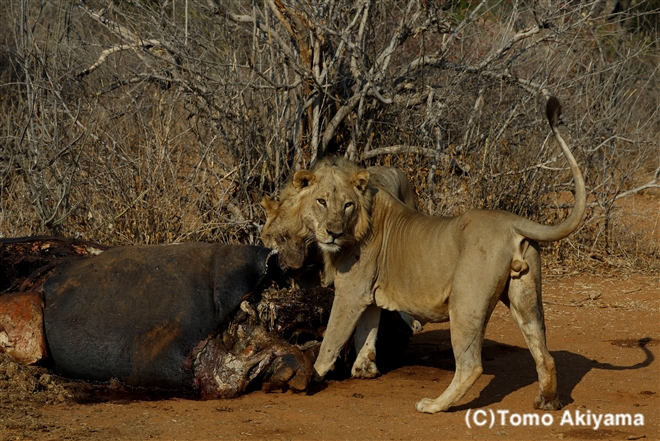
(603,332)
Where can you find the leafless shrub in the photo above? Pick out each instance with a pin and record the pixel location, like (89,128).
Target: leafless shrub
(142,122)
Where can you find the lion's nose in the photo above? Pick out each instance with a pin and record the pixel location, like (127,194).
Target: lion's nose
(334,234)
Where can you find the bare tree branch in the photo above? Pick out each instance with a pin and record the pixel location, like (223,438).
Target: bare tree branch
(123,47)
(399,149)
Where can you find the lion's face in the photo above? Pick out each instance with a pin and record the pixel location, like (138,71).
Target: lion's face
(284,230)
(335,202)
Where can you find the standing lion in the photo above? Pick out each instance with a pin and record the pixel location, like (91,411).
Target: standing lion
(387,254)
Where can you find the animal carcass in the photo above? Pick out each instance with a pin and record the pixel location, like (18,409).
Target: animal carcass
(209,319)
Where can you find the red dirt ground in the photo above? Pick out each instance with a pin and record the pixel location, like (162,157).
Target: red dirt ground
(602,331)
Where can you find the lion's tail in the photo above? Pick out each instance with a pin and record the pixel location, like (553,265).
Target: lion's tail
(550,233)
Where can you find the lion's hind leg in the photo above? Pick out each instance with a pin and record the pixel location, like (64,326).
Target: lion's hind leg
(366,334)
(527,310)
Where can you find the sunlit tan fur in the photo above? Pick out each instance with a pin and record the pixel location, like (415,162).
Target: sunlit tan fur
(385,254)
(285,230)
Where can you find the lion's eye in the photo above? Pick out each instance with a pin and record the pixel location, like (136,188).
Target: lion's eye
(321,202)
(348,205)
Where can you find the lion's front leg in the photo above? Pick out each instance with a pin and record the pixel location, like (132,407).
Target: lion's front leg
(342,323)
(365,344)
(352,298)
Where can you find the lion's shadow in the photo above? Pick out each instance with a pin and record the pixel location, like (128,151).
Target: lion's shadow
(512,367)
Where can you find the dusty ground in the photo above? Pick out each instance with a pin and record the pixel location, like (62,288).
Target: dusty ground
(603,332)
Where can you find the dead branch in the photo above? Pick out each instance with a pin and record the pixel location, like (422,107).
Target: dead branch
(653,183)
(276,83)
(407,149)
(114,27)
(122,47)
(263,28)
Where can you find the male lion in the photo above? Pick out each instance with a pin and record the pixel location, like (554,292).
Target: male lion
(435,268)
(285,230)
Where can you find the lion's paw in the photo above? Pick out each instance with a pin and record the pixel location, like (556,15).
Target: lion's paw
(416,326)
(364,368)
(541,403)
(428,405)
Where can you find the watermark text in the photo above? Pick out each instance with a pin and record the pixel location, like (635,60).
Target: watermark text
(490,418)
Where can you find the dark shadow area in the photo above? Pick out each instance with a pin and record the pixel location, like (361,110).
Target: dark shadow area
(513,367)
(85,393)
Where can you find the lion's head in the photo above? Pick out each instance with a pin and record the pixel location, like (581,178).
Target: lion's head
(284,229)
(335,201)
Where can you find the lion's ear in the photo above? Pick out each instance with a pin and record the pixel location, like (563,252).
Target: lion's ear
(271,205)
(360,180)
(303,179)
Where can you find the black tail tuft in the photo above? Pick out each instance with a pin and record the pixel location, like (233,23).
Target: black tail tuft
(553,110)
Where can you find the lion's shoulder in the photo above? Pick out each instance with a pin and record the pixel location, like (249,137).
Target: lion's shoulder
(384,202)
(393,180)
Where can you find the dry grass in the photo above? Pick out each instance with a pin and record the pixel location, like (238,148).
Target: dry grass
(177,134)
